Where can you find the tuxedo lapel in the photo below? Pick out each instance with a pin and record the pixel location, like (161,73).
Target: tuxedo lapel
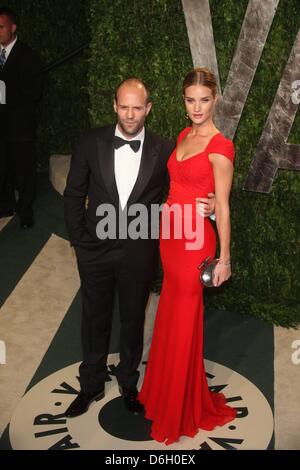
(148,162)
(107,167)
(107,164)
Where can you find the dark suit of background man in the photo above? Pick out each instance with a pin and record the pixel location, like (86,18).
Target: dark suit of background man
(20,69)
(108,170)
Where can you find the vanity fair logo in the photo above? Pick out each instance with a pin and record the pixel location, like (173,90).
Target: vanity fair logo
(39,423)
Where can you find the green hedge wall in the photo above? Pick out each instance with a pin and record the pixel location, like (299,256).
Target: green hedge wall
(54,28)
(141,38)
(148,38)
(265,228)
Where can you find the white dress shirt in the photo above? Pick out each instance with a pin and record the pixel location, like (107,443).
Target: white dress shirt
(127,165)
(8,48)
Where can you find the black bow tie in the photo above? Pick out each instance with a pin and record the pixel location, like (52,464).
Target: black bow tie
(134,144)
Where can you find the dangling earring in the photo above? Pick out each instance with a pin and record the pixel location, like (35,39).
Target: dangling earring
(187,116)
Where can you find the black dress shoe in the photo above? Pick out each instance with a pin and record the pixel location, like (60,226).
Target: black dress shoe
(7,213)
(82,402)
(26,222)
(131,401)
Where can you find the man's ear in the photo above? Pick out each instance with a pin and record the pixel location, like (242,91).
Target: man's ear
(148,108)
(115,105)
(14,28)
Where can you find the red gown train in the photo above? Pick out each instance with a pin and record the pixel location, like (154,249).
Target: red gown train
(175,393)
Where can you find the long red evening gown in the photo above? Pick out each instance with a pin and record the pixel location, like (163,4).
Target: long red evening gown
(175,393)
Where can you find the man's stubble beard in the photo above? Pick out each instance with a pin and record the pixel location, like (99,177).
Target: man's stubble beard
(133,131)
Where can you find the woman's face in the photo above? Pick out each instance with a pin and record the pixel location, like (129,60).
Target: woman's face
(199,103)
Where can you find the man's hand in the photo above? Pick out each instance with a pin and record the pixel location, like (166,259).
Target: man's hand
(206,206)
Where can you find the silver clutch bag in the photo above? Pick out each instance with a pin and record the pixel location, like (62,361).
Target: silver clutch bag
(207,268)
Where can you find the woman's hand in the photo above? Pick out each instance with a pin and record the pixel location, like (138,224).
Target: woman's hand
(206,206)
(222,272)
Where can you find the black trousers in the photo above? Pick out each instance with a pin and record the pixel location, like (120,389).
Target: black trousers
(17,171)
(100,276)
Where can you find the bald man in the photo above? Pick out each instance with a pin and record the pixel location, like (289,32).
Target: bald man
(115,167)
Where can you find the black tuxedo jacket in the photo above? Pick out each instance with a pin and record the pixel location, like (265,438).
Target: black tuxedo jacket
(22,74)
(92,174)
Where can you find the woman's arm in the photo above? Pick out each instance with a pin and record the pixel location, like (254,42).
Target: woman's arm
(223,174)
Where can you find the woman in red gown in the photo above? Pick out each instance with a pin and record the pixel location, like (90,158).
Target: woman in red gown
(175,393)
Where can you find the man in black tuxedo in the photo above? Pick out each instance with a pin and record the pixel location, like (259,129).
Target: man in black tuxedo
(120,165)
(21,71)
